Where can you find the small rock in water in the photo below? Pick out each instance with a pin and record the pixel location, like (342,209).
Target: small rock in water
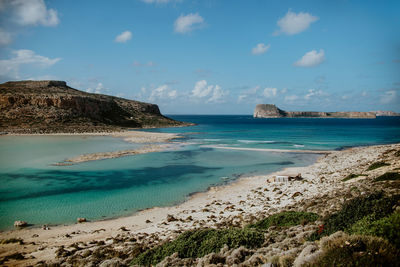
(81,220)
(20,224)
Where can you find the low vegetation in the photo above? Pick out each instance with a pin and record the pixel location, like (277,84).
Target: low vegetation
(12,240)
(289,218)
(387,227)
(389,176)
(351,176)
(377,165)
(356,250)
(198,243)
(363,215)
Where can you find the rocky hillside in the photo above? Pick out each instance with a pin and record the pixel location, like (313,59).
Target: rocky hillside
(52,106)
(271,111)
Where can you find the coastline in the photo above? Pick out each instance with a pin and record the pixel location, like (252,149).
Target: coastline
(230,204)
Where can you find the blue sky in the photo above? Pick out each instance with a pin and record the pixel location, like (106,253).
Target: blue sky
(211,56)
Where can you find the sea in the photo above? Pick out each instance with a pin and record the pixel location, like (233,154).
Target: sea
(33,189)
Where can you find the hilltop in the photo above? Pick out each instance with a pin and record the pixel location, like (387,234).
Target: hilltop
(272,111)
(53,106)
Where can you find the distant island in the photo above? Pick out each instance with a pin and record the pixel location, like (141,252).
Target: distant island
(52,106)
(272,111)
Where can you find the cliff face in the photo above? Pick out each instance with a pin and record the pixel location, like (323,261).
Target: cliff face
(52,106)
(271,111)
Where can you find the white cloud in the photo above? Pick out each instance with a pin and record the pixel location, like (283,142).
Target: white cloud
(34,12)
(162,92)
(10,67)
(97,90)
(284,90)
(291,98)
(311,59)
(248,93)
(293,23)
(270,92)
(5,37)
(214,93)
(388,97)
(201,89)
(185,24)
(260,49)
(312,93)
(123,37)
(148,64)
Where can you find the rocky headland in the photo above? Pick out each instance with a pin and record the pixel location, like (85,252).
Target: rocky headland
(272,111)
(54,107)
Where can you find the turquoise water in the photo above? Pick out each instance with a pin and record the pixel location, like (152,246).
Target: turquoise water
(33,190)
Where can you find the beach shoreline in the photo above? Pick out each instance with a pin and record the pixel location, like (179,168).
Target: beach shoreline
(231,204)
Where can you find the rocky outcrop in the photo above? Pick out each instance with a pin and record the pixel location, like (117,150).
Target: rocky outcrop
(52,106)
(271,111)
(385,113)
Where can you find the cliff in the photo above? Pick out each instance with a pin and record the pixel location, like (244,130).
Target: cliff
(271,111)
(52,106)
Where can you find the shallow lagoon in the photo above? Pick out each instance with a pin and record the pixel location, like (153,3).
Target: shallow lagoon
(32,189)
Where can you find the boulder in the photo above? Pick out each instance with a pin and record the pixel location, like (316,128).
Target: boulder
(20,224)
(81,220)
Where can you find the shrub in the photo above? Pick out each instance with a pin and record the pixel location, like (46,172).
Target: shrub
(351,176)
(356,209)
(377,165)
(287,218)
(197,243)
(389,176)
(387,227)
(357,250)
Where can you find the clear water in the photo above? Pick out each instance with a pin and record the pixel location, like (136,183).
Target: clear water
(33,190)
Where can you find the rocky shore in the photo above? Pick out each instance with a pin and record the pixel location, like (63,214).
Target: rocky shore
(244,206)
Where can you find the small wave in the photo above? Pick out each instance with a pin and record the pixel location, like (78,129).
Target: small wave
(298,145)
(256,141)
(212,140)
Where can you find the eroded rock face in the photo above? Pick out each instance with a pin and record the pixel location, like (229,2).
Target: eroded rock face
(271,111)
(52,106)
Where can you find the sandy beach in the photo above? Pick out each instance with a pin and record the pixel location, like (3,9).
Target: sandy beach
(234,204)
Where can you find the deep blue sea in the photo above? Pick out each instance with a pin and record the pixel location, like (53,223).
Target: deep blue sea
(34,190)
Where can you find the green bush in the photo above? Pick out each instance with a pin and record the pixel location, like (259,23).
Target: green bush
(377,165)
(351,176)
(287,218)
(389,176)
(355,210)
(387,227)
(197,243)
(357,250)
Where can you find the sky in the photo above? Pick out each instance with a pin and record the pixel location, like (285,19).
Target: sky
(211,56)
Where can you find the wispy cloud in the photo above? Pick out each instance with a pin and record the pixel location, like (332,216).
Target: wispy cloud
(10,67)
(311,59)
(260,49)
(293,23)
(187,23)
(123,37)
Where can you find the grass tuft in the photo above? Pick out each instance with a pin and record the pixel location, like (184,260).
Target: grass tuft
(377,165)
(389,176)
(287,218)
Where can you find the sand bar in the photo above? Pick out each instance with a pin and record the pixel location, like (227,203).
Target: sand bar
(274,150)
